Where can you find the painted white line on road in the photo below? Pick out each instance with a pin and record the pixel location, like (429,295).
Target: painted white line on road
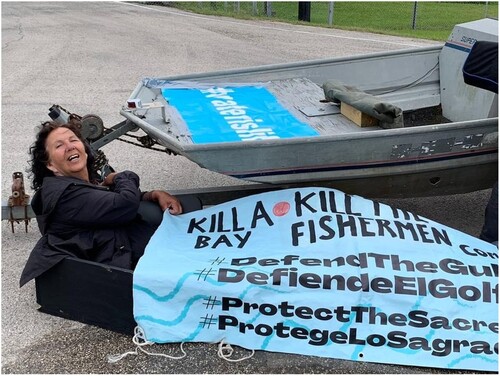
(271,28)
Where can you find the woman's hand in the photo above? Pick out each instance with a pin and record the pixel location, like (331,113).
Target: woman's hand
(108,180)
(165,200)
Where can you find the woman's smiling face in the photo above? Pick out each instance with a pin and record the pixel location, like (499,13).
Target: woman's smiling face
(67,156)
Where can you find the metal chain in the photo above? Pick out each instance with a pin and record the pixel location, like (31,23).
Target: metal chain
(100,160)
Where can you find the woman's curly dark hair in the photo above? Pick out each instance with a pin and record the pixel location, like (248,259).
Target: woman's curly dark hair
(39,156)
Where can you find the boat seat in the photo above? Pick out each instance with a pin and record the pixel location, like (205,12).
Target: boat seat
(388,115)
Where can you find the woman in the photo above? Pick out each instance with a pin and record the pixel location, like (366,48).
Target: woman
(105,223)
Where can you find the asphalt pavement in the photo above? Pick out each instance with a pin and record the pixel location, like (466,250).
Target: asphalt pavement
(88,57)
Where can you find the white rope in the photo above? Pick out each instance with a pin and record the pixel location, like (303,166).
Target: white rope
(117,357)
(224,350)
(140,340)
(226,347)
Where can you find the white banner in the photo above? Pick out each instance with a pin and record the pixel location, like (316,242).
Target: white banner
(315,271)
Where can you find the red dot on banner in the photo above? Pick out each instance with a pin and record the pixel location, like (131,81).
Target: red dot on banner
(281,208)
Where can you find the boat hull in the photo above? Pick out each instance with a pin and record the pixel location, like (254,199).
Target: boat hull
(429,160)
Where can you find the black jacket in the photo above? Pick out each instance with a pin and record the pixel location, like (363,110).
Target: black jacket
(79,219)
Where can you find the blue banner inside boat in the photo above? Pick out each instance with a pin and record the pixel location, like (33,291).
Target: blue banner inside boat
(229,114)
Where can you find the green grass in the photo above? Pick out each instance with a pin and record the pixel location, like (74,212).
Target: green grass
(435,20)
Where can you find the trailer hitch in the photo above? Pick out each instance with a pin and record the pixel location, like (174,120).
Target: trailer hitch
(19,198)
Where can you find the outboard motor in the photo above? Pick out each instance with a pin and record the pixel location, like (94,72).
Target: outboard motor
(461,102)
